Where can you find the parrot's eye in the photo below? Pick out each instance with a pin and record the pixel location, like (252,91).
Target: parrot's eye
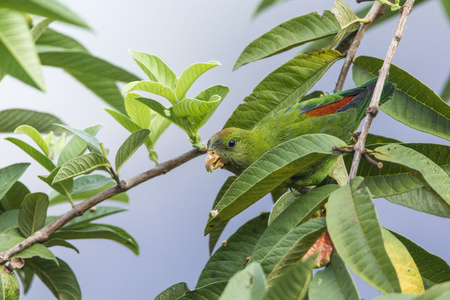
(231,143)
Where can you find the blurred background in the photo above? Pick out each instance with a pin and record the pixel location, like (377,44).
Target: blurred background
(167,215)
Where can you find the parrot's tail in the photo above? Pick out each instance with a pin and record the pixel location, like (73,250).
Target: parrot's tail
(363,96)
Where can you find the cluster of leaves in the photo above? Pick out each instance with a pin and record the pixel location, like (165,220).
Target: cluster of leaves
(265,258)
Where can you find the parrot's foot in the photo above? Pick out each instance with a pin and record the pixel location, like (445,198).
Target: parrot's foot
(363,153)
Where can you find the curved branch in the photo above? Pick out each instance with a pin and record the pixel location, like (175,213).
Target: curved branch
(78,210)
(383,73)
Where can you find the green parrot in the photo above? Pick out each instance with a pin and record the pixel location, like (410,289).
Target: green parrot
(339,114)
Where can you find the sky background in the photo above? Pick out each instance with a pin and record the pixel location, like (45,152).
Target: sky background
(167,215)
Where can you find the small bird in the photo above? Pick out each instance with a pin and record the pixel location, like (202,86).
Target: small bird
(339,114)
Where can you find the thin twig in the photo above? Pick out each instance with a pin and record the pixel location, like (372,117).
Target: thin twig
(372,110)
(376,11)
(78,210)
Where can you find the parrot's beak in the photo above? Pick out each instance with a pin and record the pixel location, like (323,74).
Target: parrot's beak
(212,161)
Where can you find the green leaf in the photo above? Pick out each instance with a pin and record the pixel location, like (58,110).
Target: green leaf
(208,95)
(347,19)
(288,35)
(9,176)
(26,278)
(434,178)
(208,292)
(414,104)
(282,88)
(39,28)
(432,268)
(271,170)
(215,234)
(63,187)
(158,125)
(14,197)
(91,141)
(190,75)
(89,216)
(293,284)
(138,112)
(81,165)
(8,220)
(282,203)
(445,94)
(46,8)
(104,88)
(155,69)
(249,283)
(43,122)
(59,278)
(299,212)
(123,120)
(296,252)
(99,231)
(173,292)
(87,186)
(35,135)
(407,272)
(9,241)
(76,146)
(131,144)
(437,292)
(446,5)
(264,4)
(354,229)
(166,113)
(17,50)
(34,153)
(228,259)
(57,39)
(334,282)
(60,242)
(152,87)
(32,213)
(195,107)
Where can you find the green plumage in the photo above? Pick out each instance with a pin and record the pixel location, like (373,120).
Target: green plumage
(338,114)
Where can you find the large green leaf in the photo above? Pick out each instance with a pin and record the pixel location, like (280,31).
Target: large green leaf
(414,104)
(131,144)
(14,197)
(437,292)
(76,146)
(334,282)
(433,177)
(91,141)
(283,87)
(292,284)
(83,62)
(59,278)
(247,284)
(298,212)
(354,229)
(173,292)
(8,220)
(34,153)
(46,8)
(32,213)
(152,87)
(34,135)
(289,34)
(208,292)
(57,39)
(104,88)
(87,186)
(190,75)
(43,122)
(155,69)
(10,240)
(433,269)
(81,165)
(9,176)
(270,171)
(123,120)
(19,57)
(228,259)
(195,107)
(99,231)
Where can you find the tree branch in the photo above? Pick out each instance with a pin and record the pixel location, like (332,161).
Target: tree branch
(78,210)
(383,73)
(376,11)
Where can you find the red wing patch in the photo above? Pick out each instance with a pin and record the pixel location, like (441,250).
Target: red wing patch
(329,109)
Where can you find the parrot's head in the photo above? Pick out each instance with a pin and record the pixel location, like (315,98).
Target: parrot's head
(233,149)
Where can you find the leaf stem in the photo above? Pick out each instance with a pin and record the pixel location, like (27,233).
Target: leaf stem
(383,73)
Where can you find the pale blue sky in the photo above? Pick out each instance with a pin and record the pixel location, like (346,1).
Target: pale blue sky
(167,215)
